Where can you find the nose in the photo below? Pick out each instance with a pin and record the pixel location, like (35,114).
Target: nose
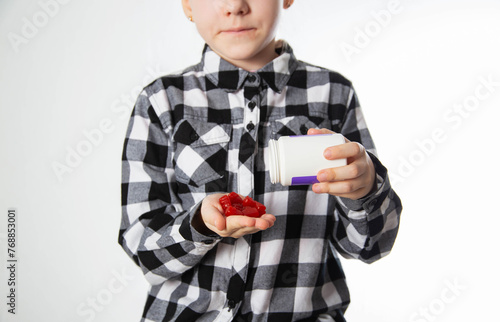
(234,7)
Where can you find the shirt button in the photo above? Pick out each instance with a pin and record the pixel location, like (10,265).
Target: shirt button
(194,136)
(252,78)
(250,126)
(252,105)
(208,241)
(303,129)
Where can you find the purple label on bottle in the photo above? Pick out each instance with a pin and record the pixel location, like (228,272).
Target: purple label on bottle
(296,181)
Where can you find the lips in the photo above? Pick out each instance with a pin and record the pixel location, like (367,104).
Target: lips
(239,30)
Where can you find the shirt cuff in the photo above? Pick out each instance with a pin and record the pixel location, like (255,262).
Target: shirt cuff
(190,233)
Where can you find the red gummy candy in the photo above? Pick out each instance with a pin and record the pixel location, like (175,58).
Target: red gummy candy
(233,205)
(248,202)
(260,207)
(235,198)
(232,211)
(251,212)
(225,202)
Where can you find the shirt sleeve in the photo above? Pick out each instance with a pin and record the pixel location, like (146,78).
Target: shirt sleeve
(155,230)
(366,228)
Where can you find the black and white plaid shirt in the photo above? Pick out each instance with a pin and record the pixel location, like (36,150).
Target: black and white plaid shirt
(206,130)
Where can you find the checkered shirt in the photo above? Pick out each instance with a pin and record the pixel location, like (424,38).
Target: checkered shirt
(206,130)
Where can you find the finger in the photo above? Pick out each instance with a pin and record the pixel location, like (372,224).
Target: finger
(265,222)
(217,225)
(313,131)
(350,150)
(213,218)
(212,213)
(244,231)
(268,217)
(340,188)
(238,226)
(260,224)
(351,171)
(245,221)
(239,222)
(322,189)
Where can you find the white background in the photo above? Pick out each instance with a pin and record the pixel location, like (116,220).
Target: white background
(69,86)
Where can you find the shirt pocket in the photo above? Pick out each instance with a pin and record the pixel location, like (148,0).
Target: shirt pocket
(200,151)
(297,125)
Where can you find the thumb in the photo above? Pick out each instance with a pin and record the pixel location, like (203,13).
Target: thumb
(219,221)
(313,131)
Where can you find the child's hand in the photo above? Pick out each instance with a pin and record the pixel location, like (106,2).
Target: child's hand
(353,181)
(234,226)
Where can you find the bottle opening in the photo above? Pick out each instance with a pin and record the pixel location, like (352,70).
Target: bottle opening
(273,162)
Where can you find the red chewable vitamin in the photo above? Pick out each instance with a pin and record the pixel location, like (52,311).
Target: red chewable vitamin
(233,205)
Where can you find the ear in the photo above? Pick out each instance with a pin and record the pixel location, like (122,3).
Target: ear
(287,4)
(187,8)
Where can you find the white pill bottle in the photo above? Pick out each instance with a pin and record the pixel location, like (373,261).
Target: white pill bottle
(296,160)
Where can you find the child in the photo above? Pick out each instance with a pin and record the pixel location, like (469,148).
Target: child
(202,133)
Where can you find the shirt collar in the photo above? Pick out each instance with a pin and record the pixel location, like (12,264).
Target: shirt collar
(227,76)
